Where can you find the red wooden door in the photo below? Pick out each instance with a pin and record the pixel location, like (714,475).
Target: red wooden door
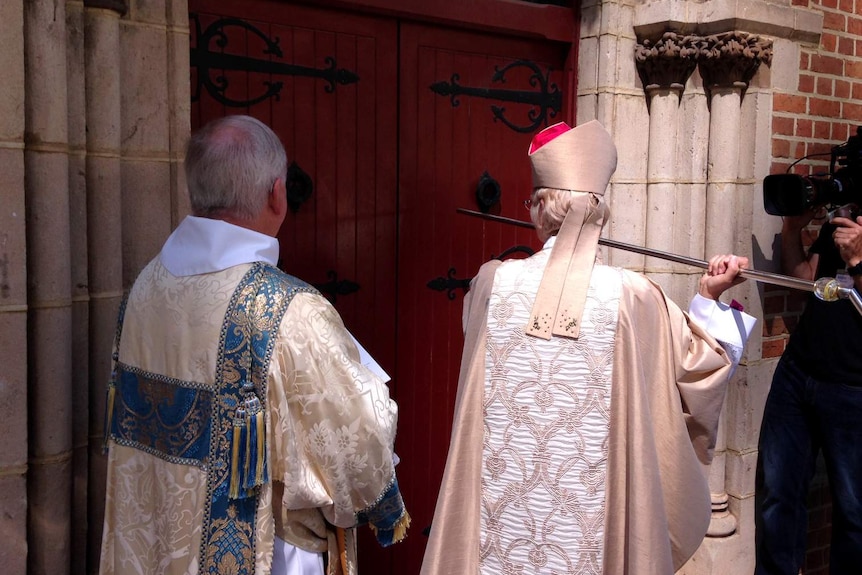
(394,124)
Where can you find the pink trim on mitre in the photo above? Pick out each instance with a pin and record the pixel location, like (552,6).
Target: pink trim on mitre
(547,135)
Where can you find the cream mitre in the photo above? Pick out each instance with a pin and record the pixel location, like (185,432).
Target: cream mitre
(580,160)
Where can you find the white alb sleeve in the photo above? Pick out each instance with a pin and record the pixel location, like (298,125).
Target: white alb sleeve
(729,326)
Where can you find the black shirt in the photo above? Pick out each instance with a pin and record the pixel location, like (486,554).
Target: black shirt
(827,343)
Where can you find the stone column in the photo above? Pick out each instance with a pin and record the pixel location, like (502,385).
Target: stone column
(104,238)
(48,288)
(727,62)
(664,67)
(13,294)
(78,248)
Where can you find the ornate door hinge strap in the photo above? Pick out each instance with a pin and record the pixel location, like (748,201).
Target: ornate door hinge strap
(209,60)
(546,102)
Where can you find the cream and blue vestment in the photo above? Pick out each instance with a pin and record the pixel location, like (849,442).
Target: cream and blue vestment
(241,420)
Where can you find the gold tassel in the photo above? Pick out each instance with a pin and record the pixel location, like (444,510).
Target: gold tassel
(233,491)
(246,452)
(400,531)
(109,415)
(261,452)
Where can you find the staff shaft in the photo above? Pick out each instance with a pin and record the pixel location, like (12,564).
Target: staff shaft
(756,275)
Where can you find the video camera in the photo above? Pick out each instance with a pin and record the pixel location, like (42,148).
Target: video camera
(793,195)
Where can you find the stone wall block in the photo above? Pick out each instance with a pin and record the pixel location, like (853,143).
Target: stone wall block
(785,65)
(103,81)
(146,213)
(49,486)
(12,86)
(652,18)
(51,386)
(13,245)
(663,115)
(47,176)
(771,17)
(45,51)
(684,286)
(660,220)
(149,11)
(807,26)
(13,389)
(741,469)
(75,85)
(591,19)
(607,62)
(587,107)
(104,209)
(745,402)
(692,141)
(627,223)
(612,18)
(744,510)
(13,523)
(630,129)
(178,14)
(144,101)
(627,76)
(180,92)
(690,223)
(588,54)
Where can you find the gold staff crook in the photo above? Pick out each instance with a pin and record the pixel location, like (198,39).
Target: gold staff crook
(827,289)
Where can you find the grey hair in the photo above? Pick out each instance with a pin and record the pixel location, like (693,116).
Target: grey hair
(556,205)
(231,166)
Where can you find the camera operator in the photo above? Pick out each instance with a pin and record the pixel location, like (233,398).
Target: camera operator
(814,405)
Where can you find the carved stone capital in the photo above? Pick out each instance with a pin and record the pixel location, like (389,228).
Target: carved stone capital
(119,6)
(667,62)
(732,58)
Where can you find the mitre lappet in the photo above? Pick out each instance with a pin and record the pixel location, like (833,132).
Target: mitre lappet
(580,161)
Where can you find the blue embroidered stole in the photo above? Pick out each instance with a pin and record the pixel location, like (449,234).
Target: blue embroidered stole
(218,428)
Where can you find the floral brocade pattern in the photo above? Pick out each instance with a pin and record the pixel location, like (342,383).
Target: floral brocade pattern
(331,417)
(330,427)
(547,415)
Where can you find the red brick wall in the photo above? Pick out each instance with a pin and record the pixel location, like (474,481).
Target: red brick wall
(823,110)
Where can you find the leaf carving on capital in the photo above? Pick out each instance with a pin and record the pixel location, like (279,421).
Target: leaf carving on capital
(667,62)
(732,58)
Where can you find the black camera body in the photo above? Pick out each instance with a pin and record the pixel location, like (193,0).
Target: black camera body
(793,195)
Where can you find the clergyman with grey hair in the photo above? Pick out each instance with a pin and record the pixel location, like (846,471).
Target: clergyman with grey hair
(244,433)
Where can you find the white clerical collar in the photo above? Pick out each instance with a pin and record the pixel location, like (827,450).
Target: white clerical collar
(202,245)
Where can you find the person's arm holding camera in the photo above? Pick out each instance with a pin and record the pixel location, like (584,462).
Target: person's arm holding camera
(794,259)
(848,239)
